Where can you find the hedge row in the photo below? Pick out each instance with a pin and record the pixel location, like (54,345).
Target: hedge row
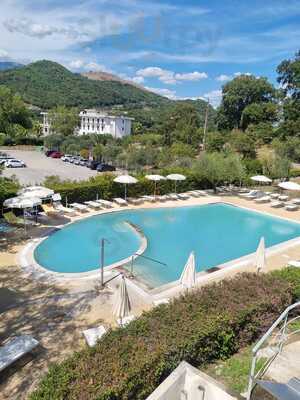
(200,327)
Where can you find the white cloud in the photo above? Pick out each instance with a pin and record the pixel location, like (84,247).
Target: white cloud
(76,64)
(223,78)
(242,73)
(170,77)
(3,54)
(214,97)
(88,66)
(171,94)
(137,79)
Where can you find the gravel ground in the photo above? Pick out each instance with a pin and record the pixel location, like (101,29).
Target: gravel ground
(39,166)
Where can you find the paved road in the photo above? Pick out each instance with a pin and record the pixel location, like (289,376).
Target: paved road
(39,167)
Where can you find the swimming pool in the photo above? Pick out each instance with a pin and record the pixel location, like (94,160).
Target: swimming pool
(218,233)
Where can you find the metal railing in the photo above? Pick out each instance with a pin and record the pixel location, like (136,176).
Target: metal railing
(136,256)
(284,330)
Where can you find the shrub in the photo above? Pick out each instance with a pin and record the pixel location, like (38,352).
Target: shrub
(292,276)
(204,325)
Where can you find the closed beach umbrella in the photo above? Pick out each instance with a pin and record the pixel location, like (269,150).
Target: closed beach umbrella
(261,255)
(155,179)
(289,186)
(36,191)
(188,276)
(261,179)
(175,178)
(126,180)
(122,305)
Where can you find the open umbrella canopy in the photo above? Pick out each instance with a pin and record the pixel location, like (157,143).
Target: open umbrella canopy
(36,191)
(261,255)
(22,202)
(188,276)
(155,178)
(261,178)
(126,179)
(176,177)
(289,185)
(122,306)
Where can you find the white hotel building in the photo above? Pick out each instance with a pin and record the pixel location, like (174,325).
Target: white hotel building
(96,122)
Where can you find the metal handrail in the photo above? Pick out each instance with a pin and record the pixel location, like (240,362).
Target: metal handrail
(282,337)
(135,256)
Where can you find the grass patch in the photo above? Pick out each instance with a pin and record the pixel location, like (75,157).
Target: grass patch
(234,372)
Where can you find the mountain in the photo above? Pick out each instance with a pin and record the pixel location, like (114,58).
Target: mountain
(46,84)
(106,76)
(5,65)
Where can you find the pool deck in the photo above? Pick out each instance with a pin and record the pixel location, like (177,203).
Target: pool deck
(55,311)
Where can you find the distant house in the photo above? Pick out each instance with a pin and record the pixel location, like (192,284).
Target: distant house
(96,122)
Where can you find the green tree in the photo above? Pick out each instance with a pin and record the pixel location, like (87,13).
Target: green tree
(240,93)
(259,113)
(98,151)
(53,142)
(243,144)
(63,120)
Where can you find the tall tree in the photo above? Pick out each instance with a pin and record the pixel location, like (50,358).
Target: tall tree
(240,93)
(63,120)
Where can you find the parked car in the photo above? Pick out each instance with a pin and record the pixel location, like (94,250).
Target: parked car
(4,159)
(83,162)
(49,152)
(92,164)
(15,164)
(66,157)
(105,167)
(73,159)
(56,154)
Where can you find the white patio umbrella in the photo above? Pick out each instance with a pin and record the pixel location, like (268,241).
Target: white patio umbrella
(261,179)
(176,177)
(122,306)
(188,276)
(289,185)
(260,257)
(22,203)
(36,191)
(155,179)
(126,180)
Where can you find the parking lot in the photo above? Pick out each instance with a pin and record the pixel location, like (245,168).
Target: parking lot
(39,167)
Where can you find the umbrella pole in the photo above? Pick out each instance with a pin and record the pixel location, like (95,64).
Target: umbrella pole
(175,187)
(154,188)
(102,264)
(125,192)
(24,220)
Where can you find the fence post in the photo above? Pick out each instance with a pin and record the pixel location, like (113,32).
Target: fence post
(251,377)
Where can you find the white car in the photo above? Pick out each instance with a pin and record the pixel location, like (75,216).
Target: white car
(15,164)
(66,157)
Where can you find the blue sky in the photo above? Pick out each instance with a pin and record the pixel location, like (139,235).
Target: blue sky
(177,48)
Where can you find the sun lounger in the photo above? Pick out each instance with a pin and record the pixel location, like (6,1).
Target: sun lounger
(201,192)
(120,202)
(249,194)
(15,349)
(79,207)
(296,201)
(283,198)
(12,219)
(263,199)
(193,193)
(125,321)
(294,263)
(105,203)
(277,204)
(274,195)
(183,196)
(94,334)
(152,199)
(173,196)
(93,204)
(64,210)
(161,301)
(50,210)
(291,207)
(135,201)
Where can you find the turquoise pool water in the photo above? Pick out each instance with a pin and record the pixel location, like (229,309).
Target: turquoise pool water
(217,233)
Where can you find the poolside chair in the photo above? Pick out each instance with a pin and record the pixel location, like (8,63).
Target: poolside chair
(64,210)
(173,196)
(12,219)
(274,195)
(92,335)
(249,194)
(162,198)
(296,201)
(291,207)
(294,263)
(283,198)
(125,321)
(105,203)
(50,210)
(183,196)
(135,201)
(93,204)
(151,199)
(193,193)
(120,202)
(263,199)
(15,349)
(79,207)
(277,204)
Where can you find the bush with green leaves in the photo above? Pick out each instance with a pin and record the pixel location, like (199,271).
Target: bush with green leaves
(201,326)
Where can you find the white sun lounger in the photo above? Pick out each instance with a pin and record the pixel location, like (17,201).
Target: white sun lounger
(277,204)
(120,202)
(134,201)
(294,263)
(161,301)
(263,199)
(65,210)
(291,207)
(152,199)
(79,207)
(93,204)
(163,197)
(94,334)
(274,195)
(105,203)
(15,349)
(249,194)
(296,201)
(193,193)
(173,196)
(183,196)
(125,321)
(283,198)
